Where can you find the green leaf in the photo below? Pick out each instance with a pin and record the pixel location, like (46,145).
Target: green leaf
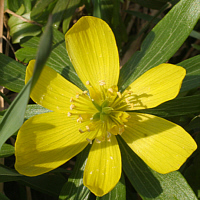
(150,184)
(14,116)
(74,188)
(20,29)
(39,8)
(118,192)
(48,183)
(15,5)
(34,109)
(7,150)
(163,41)
(12,73)
(192,78)
(72,6)
(176,107)
(58,12)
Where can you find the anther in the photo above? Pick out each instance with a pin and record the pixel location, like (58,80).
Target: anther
(71,100)
(69,114)
(90,141)
(72,106)
(88,128)
(119,94)
(110,90)
(108,135)
(102,82)
(98,141)
(87,82)
(81,131)
(77,96)
(80,119)
(127,101)
(85,92)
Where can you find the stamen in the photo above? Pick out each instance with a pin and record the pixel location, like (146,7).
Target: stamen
(87,82)
(108,135)
(129,91)
(90,141)
(71,100)
(69,114)
(127,101)
(98,141)
(85,92)
(132,105)
(81,131)
(119,94)
(77,96)
(80,119)
(72,106)
(88,128)
(102,82)
(110,90)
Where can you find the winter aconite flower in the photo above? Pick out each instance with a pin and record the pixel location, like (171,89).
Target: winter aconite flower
(95,116)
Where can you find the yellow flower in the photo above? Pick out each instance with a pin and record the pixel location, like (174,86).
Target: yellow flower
(94,117)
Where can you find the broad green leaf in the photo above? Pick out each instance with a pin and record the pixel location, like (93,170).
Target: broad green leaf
(163,41)
(12,73)
(72,6)
(118,192)
(176,107)
(39,7)
(6,150)
(48,183)
(192,173)
(7,174)
(192,78)
(14,116)
(34,109)
(15,5)
(26,54)
(74,188)
(150,184)
(58,12)
(20,28)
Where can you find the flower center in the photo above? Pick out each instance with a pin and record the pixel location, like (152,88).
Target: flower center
(104,115)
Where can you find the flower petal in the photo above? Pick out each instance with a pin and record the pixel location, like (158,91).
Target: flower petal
(161,144)
(156,86)
(54,92)
(103,168)
(46,141)
(92,48)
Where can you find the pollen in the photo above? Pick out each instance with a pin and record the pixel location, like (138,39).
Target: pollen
(119,94)
(110,90)
(72,106)
(69,114)
(88,128)
(85,92)
(102,82)
(80,119)
(71,100)
(87,82)
(77,96)
(90,141)
(81,131)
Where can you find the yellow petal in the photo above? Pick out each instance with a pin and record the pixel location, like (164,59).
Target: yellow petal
(103,168)
(46,141)
(159,84)
(54,92)
(161,144)
(92,48)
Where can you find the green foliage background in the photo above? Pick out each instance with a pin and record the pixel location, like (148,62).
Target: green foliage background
(148,33)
